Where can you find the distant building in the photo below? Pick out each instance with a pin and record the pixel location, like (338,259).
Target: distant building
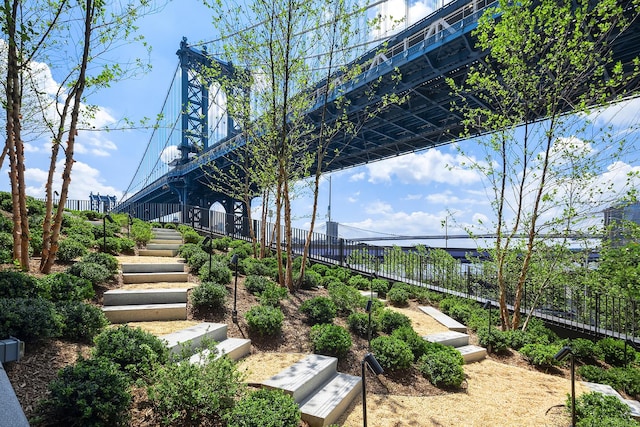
(332,231)
(616,219)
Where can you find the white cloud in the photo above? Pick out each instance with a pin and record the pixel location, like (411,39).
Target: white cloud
(378,207)
(357,177)
(621,115)
(413,197)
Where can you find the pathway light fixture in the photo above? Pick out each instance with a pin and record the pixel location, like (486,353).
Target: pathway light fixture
(370,361)
(234,312)
(208,242)
(565,352)
(487,306)
(104,231)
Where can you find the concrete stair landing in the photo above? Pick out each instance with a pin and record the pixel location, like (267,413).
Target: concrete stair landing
(456,337)
(190,341)
(166,242)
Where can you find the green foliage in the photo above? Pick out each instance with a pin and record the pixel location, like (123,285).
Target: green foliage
(493,338)
(390,320)
(434,347)
(381,286)
(141,232)
(392,353)
(621,379)
(593,373)
(35,242)
(265,320)
(93,392)
(15,284)
(398,297)
(192,394)
(583,349)
(6,247)
(319,310)
(613,352)
(596,409)
(106,260)
(256,284)
(65,287)
(191,236)
(265,408)
(80,321)
(210,295)
(136,351)
(113,245)
(321,269)
(70,249)
(187,250)
(416,343)
(442,369)
(29,319)
(311,280)
(197,260)
(127,246)
(540,354)
(257,267)
(330,340)
(359,282)
(359,323)
(218,273)
(346,298)
(273,294)
(341,274)
(94,273)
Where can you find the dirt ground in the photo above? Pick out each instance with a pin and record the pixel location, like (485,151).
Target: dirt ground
(499,391)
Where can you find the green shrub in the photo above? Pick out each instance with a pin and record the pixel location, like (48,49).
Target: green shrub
(330,340)
(391,320)
(106,260)
(273,294)
(339,273)
(613,352)
(416,343)
(594,374)
(493,338)
(80,321)
(583,349)
(620,378)
(186,250)
(265,408)
(596,409)
(191,236)
(265,320)
(15,284)
(321,269)
(256,284)
(319,310)
(359,282)
(442,369)
(127,246)
(70,249)
(136,351)
(222,244)
(381,286)
(6,247)
(65,287)
(197,260)
(94,273)
(112,245)
(392,353)
(398,297)
(346,298)
(209,295)
(85,240)
(311,280)
(192,394)
(256,267)
(29,319)
(141,232)
(219,273)
(540,354)
(359,324)
(537,332)
(434,347)
(93,392)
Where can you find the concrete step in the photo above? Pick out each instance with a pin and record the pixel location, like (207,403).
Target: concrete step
(302,378)
(167,240)
(152,268)
(145,296)
(158,252)
(234,348)
(174,276)
(145,312)
(443,319)
(367,294)
(161,232)
(450,338)
(192,337)
(328,403)
(472,353)
(157,246)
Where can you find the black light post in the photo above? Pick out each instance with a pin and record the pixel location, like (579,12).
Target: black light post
(369,310)
(207,241)
(104,231)
(369,360)
(129,224)
(487,305)
(565,352)
(234,312)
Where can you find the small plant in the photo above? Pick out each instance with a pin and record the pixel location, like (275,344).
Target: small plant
(381,286)
(80,321)
(94,273)
(346,298)
(30,319)
(614,353)
(265,320)
(66,287)
(191,236)
(493,338)
(127,246)
(106,260)
(219,273)
(359,324)
(136,351)
(597,409)
(416,343)
(398,297)
(319,310)
(265,408)
(15,284)
(256,267)
(359,282)
(391,320)
(186,250)
(273,294)
(330,340)
(93,392)
(392,353)
(209,295)
(311,280)
(197,260)
(540,354)
(442,369)
(256,284)
(583,349)
(70,249)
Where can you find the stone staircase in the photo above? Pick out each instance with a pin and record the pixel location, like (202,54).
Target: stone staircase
(322,393)
(456,336)
(166,242)
(190,341)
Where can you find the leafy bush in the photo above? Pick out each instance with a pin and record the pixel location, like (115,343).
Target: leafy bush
(442,369)
(70,249)
(256,267)
(112,245)
(319,310)
(29,319)
(272,294)
(265,408)
(93,392)
(416,343)
(593,374)
(540,354)
(191,236)
(391,320)
(381,286)
(6,247)
(339,273)
(141,232)
(265,320)
(94,273)
(190,394)
(15,284)
(620,378)
(256,284)
(597,409)
(583,349)
(311,280)
(613,352)
(345,297)
(222,244)
(127,246)
(359,324)
(392,353)
(321,269)
(197,260)
(359,282)
(85,240)
(493,338)
(186,250)
(80,321)
(209,295)
(106,260)
(537,332)
(330,340)
(434,347)
(65,287)
(136,351)
(219,273)
(398,297)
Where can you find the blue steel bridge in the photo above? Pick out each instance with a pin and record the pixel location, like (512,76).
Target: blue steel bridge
(191,137)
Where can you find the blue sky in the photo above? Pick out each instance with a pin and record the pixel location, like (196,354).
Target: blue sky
(413,194)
